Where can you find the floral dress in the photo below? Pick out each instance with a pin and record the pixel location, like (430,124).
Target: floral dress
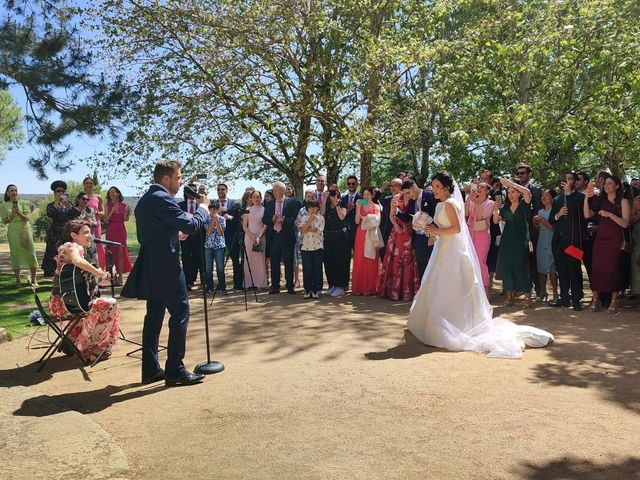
(98,329)
(399,278)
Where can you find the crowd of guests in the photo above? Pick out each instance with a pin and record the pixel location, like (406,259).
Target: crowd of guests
(535,239)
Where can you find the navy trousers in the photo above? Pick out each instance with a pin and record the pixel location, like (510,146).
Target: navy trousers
(178,307)
(422,251)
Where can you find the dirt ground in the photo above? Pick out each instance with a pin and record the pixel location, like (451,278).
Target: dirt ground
(338,389)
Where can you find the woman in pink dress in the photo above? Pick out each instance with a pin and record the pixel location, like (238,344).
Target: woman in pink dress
(117,213)
(95,204)
(96,334)
(254,234)
(399,278)
(479,209)
(366,263)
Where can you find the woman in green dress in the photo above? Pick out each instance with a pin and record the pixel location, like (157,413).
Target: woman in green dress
(514,244)
(14,212)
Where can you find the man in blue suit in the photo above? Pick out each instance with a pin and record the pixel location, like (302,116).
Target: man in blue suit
(418,199)
(157,276)
(348,201)
(280,215)
(232,213)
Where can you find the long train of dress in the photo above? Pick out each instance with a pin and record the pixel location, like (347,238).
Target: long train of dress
(451,309)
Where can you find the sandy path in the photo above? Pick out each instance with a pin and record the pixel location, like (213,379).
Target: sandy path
(336,389)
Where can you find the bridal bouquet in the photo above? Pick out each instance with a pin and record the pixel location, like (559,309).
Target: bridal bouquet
(420,221)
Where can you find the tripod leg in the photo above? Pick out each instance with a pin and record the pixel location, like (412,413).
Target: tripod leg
(253,284)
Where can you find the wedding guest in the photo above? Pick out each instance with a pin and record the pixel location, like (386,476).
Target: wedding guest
(268,197)
(279,216)
(96,334)
(399,279)
(321,182)
(348,201)
(94,202)
(87,214)
(117,214)
(22,251)
(214,248)
(569,231)
(311,225)
(544,253)
(495,194)
(60,211)
(635,253)
(478,210)
(366,263)
(232,213)
(524,173)
(385,221)
(255,242)
(297,259)
(514,245)
(191,245)
(417,200)
(615,213)
(583,181)
(336,264)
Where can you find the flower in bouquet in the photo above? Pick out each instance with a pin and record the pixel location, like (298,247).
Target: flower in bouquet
(420,221)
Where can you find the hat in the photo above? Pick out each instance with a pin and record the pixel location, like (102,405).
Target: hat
(58,184)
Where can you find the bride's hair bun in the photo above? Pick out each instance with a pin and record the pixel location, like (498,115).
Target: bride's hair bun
(445,179)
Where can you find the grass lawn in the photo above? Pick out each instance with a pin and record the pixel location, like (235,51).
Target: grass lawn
(16,303)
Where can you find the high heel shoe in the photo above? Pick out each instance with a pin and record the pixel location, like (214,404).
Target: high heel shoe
(509,301)
(527,301)
(543,297)
(595,306)
(613,307)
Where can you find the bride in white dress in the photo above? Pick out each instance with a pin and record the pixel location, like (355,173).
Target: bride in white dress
(451,309)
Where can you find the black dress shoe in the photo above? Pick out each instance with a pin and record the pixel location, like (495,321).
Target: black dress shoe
(291,291)
(577,307)
(273,291)
(185,378)
(558,304)
(156,377)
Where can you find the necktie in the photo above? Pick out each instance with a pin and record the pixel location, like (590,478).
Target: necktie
(278,226)
(192,207)
(320,195)
(350,198)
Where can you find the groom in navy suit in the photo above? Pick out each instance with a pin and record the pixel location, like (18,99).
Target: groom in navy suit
(157,276)
(418,199)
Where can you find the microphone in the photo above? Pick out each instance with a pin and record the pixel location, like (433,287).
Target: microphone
(107,242)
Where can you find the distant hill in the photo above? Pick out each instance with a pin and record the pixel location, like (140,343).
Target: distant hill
(36,197)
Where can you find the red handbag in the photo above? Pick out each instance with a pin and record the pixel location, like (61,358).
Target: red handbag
(572,250)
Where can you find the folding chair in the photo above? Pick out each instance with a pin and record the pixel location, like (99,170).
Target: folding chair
(61,341)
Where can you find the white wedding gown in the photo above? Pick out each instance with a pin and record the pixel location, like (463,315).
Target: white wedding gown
(451,309)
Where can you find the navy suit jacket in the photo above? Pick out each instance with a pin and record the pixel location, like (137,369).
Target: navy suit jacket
(157,273)
(427,204)
(350,218)
(290,210)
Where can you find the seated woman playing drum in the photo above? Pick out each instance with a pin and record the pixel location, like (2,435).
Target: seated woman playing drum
(97,331)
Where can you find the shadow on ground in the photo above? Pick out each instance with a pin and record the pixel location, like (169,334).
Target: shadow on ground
(580,469)
(83,402)
(594,350)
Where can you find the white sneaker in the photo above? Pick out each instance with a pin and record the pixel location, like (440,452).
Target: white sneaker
(330,291)
(338,292)
(315,295)
(306,295)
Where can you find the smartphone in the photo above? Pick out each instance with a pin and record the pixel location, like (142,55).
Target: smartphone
(499,199)
(364,203)
(15,204)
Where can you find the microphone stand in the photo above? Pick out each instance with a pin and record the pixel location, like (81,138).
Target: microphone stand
(209,366)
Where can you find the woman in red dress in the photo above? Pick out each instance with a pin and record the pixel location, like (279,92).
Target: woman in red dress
(614,213)
(117,214)
(399,279)
(366,262)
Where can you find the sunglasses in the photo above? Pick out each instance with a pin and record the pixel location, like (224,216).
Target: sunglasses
(83,199)
(59,191)
(351,184)
(522,173)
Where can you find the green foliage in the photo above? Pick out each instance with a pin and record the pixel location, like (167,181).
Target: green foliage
(265,88)
(42,51)
(10,129)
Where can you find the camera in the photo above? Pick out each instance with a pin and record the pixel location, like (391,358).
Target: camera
(333,193)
